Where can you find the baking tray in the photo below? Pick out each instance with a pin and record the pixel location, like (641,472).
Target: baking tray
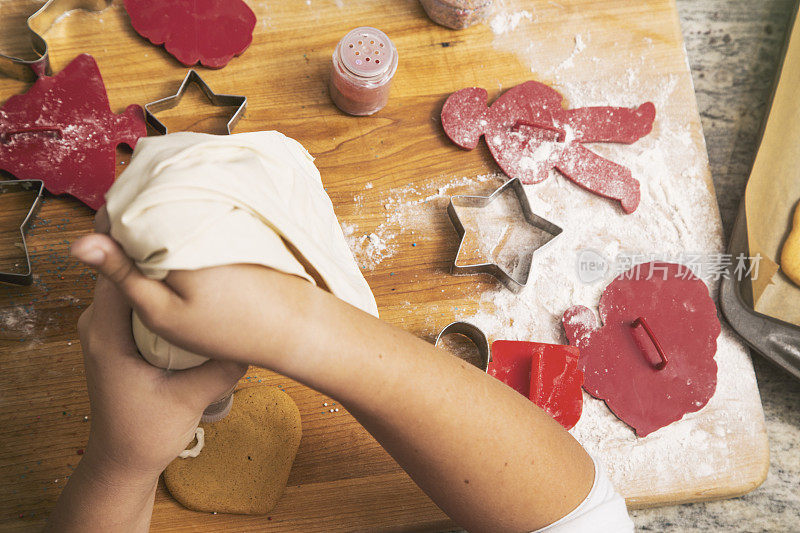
(775,339)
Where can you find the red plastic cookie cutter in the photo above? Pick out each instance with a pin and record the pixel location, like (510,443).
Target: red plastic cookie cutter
(548,374)
(529,132)
(651,357)
(209,32)
(63,132)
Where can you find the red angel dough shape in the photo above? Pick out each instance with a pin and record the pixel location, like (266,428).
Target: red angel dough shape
(652,360)
(62,131)
(548,374)
(210,32)
(529,132)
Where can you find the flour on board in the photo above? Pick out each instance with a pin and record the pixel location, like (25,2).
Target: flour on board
(19,320)
(579,47)
(407,208)
(504,22)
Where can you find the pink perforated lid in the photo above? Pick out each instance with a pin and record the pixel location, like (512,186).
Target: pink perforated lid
(367,52)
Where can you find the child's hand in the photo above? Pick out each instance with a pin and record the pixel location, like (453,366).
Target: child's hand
(142,416)
(245,313)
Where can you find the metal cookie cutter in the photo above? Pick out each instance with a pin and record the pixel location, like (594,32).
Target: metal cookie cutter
(777,340)
(38,24)
(514,281)
(474,334)
(222,100)
(26,277)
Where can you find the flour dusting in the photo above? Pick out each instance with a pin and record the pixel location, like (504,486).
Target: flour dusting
(408,208)
(579,47)
(368,249)
(504,22)
(19,320)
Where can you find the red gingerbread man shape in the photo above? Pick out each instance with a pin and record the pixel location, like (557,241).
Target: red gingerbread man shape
(529,133)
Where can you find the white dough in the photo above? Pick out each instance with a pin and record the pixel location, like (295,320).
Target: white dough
(159,352)
(190,200)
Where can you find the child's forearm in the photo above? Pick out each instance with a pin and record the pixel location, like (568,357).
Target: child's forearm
(490,458)
(98,498)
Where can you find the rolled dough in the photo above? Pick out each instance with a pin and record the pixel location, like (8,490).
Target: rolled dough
(191,200)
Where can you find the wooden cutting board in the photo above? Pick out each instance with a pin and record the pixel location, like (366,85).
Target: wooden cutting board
(390,175)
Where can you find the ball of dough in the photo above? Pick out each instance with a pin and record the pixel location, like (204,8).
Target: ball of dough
(159,352)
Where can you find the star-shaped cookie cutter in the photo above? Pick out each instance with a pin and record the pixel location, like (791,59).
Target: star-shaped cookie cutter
(514,281)
(222,100)
(38,24)
(26,277)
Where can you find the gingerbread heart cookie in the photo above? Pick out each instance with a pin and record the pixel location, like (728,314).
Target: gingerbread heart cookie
(245,462)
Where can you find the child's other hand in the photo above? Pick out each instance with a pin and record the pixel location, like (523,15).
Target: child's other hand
(142,416)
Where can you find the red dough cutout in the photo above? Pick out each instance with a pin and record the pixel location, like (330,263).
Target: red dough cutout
(62,131)
(652,360)
(529,132)
(548,374)
(210,32)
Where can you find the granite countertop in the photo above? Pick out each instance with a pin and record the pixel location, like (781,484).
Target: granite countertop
(734,49)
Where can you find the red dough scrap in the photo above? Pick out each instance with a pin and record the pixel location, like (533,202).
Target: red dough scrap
(62,131)
(210,32)
(548,374)
(529,133)
(654,370)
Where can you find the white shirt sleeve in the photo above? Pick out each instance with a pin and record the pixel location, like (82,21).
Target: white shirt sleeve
(602,510)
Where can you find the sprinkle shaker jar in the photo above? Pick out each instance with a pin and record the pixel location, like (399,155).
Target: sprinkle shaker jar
(364,63)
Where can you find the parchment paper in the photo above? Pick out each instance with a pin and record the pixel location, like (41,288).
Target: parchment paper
(773,192)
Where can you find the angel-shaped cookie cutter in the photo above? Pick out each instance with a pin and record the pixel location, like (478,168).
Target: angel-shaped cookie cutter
(221,100)
(516,280)
(26,276)
(38,24)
